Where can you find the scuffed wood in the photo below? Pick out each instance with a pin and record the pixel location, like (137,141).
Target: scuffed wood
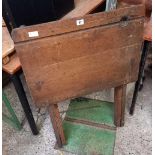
(68,61)
(57,123)
(5,60)
(79,75)
(7,43)
(119,104)
(13,66)
(69,25)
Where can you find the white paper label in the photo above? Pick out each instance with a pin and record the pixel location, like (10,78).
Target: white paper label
(33,34)
(80,22)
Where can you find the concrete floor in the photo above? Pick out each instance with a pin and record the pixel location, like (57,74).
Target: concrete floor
(135,138)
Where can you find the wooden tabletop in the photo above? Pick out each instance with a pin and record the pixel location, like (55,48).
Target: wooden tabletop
(83,7)
(13,66)
(8,49)
(7,42)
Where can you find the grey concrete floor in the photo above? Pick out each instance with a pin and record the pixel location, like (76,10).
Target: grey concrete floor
(135,138)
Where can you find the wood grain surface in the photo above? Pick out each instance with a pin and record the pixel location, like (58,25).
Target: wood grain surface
(13,66)
(57,124)
(120,100)
(72,61)
(69,25)
(7,42)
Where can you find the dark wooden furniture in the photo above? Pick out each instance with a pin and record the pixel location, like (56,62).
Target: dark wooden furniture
(73,57)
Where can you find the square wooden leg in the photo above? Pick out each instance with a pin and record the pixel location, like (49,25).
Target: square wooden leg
(119,104)
(57,124)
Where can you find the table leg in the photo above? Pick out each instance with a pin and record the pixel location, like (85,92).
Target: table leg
(140,74)
(57,124)
(119,104)
(13,119)
(24,102)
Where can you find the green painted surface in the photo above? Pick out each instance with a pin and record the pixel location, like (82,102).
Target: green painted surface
(13,120)
(93,110)
(86,140)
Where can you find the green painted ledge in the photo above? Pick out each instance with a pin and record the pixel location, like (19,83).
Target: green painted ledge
(85,139)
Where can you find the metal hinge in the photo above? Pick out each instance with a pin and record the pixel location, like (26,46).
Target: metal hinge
(124,21)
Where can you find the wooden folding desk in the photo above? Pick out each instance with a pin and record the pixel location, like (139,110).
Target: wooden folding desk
(73,57)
